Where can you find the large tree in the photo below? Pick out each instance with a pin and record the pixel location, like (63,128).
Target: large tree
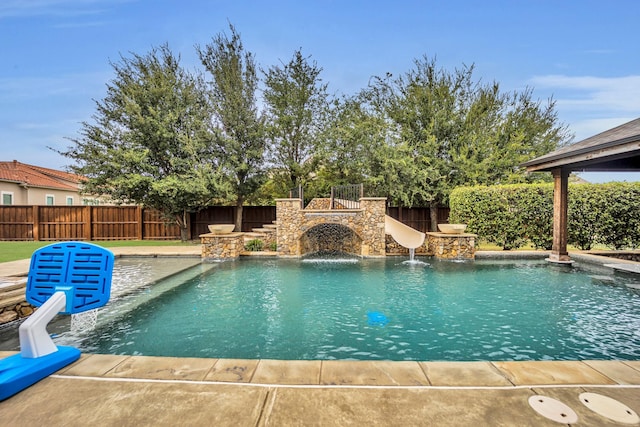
(449,130)
(232,88)
(357,148)
(296,103)
(149,142)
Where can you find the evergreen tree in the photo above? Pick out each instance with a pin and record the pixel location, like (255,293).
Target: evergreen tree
(241,143)
(150,140)
(296,103)
(448,130)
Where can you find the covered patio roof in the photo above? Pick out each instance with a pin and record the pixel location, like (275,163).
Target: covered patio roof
(616,149)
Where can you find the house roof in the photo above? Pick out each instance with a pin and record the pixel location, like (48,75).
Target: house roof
(616,149)
(37,176)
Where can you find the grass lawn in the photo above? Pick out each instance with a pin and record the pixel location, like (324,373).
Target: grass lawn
(482,245)
(486,246)
(12,251)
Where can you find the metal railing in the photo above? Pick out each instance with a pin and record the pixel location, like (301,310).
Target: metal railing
(346,196)
(297,193)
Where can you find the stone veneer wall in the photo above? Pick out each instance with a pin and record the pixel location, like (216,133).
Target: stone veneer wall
(268,238)
(15,312)
(319,204)
(367,223)
(395,248)
(625,255)
(222,246)
(372,226)
(451,246)
(289,221)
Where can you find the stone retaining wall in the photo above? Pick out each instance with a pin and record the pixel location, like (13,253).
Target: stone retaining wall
(625,255)
(15,312)
(222,246)
(395,248)
(268,239)
(451,246)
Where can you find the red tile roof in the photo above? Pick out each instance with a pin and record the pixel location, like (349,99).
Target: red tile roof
(37,176)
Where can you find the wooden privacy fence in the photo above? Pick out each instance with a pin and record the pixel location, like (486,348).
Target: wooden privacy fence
(418,218)
(56,223)
(252,217)
(83,223)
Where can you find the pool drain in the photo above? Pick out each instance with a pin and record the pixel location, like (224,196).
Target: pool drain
(609,408)
(553,409)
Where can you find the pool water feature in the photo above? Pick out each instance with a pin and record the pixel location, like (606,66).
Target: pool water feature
(372,309)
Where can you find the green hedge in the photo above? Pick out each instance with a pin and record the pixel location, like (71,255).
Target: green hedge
(512,215)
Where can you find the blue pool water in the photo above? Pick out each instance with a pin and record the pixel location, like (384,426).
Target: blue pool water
(382,309)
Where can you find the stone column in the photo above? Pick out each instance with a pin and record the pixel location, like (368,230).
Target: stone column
(372,226)
(559,252)
(288,215)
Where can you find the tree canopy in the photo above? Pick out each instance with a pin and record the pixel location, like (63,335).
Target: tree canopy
(177,141)
(150,140)
(296,106)
(449,130)
(233,92)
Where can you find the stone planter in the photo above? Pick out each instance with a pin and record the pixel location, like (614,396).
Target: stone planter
(222,246)
(451,246)
(221,228)
(452,228)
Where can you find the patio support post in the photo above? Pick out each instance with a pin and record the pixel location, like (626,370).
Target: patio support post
(559,252)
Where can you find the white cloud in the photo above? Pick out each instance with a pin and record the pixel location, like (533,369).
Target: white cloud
(589,104)
(61,8)
(21,88)
(587,93)
(590,127)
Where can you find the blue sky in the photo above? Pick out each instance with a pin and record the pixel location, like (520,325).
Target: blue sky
(55,54)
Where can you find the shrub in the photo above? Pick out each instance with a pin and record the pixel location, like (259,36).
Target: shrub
(510,215)
(536,202)
(619,224)
(584,215)
(504,215)
(254,245)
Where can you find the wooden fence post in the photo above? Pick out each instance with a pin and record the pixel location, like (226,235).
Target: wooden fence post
(36,222)
(87,221)
(140,216)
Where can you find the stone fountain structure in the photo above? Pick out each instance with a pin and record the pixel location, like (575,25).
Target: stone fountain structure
(356,227)
(337,225)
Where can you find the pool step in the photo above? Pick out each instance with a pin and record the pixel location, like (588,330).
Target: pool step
(12,291)
(264,230)
(266,233)
(248,236)
(9,302)
(7,285)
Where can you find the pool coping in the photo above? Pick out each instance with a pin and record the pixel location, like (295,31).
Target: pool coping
(355,373)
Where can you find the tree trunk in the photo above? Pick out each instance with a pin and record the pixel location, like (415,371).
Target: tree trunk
(184,233)
(238,222)
(183,223)
(433,214)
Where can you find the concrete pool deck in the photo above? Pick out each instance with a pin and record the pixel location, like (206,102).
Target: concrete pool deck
(108,390)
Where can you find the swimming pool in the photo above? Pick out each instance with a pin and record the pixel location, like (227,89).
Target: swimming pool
(372,309)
